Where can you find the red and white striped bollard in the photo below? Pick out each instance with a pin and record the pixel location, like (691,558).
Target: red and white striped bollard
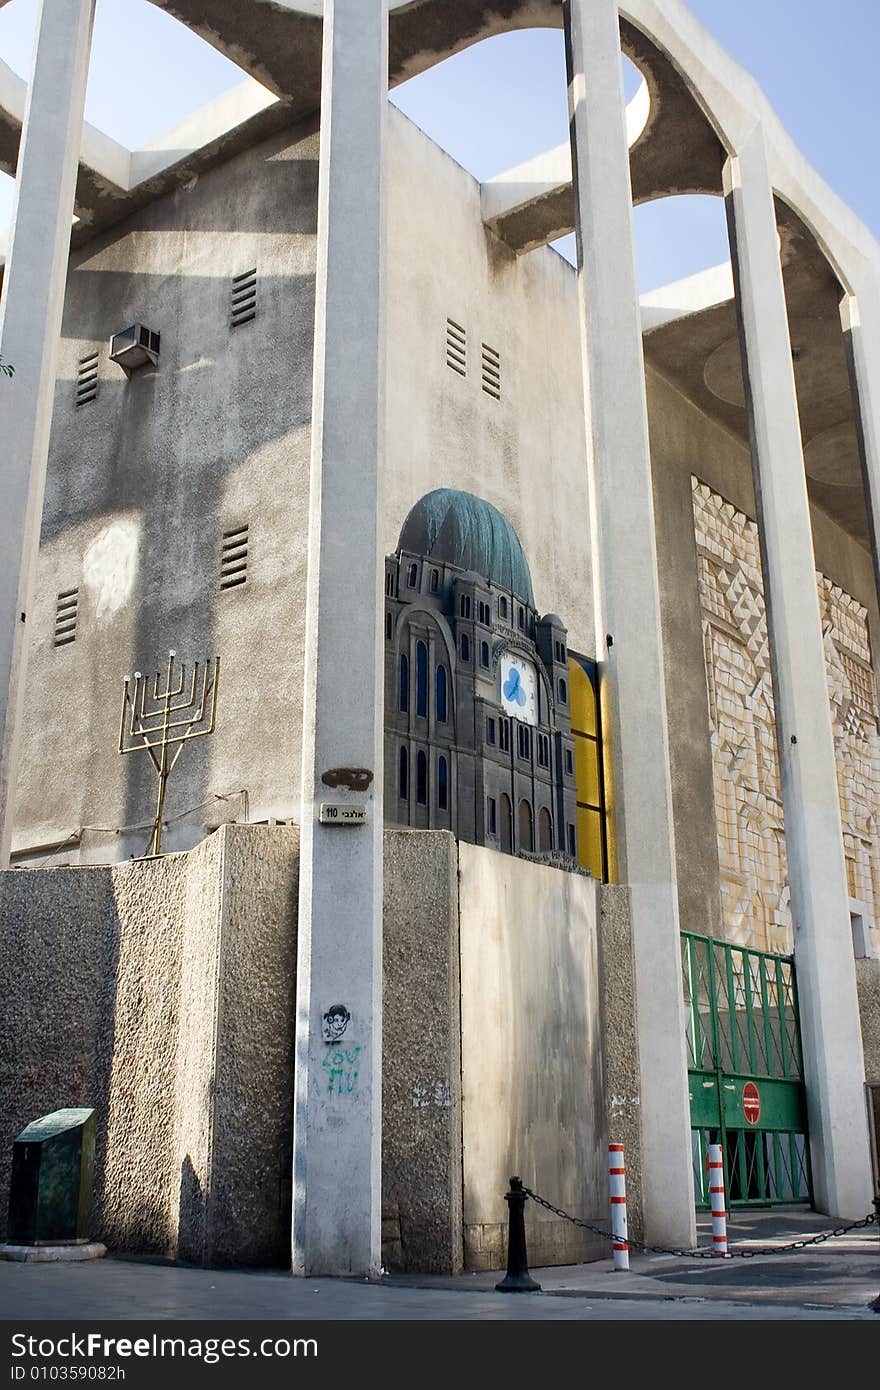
(617,1191)
(715,1164)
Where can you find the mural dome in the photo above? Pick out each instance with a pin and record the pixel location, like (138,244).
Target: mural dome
(463,530)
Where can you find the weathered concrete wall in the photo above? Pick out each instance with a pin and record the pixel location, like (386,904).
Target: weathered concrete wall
(163,994)
(532,1101)
(421,1083)
(143,482)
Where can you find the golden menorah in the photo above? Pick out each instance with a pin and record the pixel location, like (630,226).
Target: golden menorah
(155,721)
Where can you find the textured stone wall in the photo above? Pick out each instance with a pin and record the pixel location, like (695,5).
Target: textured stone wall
(161,993)
(868,982)
(748,794)
(620,1041)
(421,1082)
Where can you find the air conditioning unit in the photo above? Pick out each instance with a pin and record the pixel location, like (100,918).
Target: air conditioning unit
(134,347)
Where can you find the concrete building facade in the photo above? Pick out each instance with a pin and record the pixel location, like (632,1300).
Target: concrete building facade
(348,324)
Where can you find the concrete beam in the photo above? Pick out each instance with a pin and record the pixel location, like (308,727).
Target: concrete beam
(692,295)
(533,204)
(832,1044)
(30,329)
(627,597)
(204,129)
(337,1118)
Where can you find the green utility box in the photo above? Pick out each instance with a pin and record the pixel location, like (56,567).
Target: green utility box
(53,1162)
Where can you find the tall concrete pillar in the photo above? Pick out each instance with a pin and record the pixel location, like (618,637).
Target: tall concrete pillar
(628,603)
(860,320)
(337,1121)
(832,1045)
(30,327)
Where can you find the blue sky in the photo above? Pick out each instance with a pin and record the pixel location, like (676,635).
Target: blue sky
(505,100)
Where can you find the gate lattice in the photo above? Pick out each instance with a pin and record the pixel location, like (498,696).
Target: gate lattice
(745,1071)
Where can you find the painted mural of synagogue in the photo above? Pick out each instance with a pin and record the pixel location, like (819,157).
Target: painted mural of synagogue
(477,710)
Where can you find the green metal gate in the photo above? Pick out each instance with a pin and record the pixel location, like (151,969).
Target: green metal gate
(745,1072)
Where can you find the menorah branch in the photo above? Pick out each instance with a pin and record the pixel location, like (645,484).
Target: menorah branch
(146,724)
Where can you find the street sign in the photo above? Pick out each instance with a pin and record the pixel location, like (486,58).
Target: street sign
(751,1103)
(342,813)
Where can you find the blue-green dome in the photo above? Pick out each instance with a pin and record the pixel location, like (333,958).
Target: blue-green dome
(465,531)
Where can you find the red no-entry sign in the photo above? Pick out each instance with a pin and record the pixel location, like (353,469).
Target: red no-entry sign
(751,1103)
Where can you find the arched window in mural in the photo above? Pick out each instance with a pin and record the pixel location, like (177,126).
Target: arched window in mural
(464,647)
(404,682)
(442,784)
(389,627)
(545,830)
(526,827)
(506,824)
(440,707)
(502,609)
(435,581)
(421,680)
(563,692)
(403,775)
(422,778)
(412,577)
(484,654)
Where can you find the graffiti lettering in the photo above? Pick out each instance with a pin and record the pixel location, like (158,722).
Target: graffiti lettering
(342,1073)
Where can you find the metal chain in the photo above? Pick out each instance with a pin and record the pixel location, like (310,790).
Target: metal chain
(706,1254)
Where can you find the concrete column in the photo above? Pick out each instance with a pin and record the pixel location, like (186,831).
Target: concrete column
(860,320)
(337,1120)
(30,328)
(628,603)
(833,1065)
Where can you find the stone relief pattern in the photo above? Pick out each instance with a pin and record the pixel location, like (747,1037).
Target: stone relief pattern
(748,795)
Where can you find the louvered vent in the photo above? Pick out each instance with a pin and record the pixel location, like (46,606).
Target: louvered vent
(491,372)
(456,347)
(244,298)
(87,379)
(234,558)
(66,606)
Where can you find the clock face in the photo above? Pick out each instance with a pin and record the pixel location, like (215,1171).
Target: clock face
(519,688)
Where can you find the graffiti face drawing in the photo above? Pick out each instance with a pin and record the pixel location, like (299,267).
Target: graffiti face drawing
(334,1022)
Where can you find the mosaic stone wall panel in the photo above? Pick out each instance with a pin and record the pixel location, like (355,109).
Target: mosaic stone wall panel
(748,794)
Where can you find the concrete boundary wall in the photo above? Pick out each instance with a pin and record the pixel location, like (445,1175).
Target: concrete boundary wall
(163,994)
(531,1055)
(144,989)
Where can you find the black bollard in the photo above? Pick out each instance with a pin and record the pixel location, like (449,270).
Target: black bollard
(517,1278)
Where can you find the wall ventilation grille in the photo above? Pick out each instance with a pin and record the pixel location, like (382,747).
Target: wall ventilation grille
(234,558)
(491,372)
(244,298)
(456,347)
(87,379)
(66,607)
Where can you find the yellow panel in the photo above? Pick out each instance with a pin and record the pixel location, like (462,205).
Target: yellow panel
(586,771)
(582,699)
(589,831)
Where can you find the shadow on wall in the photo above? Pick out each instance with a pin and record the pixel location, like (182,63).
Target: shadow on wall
(192,1214)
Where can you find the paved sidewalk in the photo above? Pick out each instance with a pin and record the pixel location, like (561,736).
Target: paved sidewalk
(835,1280)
